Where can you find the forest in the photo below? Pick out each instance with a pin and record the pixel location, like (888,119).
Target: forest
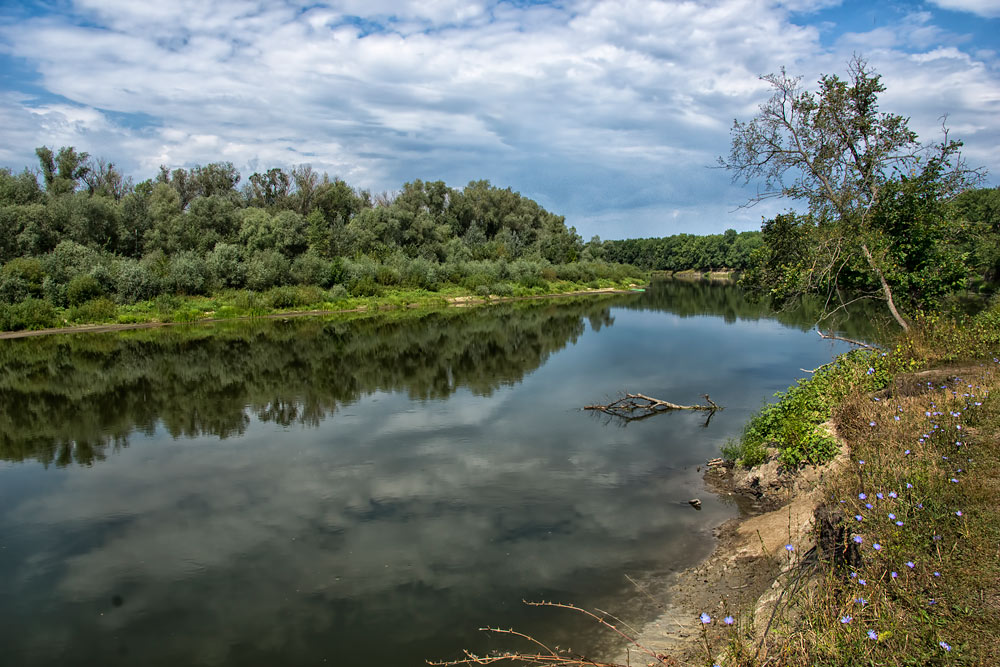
(79,241)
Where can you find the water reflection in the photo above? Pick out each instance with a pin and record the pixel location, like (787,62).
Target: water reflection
(360,491)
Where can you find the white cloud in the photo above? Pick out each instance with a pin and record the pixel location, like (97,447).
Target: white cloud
(985,8)
(637,92)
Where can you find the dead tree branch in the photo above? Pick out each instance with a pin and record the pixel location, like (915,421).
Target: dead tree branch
(632,407)
(831,336)
(548,656)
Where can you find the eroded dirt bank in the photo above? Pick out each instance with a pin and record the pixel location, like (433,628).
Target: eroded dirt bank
(744,571)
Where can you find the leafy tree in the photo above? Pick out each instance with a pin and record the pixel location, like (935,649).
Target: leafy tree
(835,150)
(62,171)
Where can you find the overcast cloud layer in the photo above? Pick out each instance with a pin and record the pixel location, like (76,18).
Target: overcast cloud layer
(611,113)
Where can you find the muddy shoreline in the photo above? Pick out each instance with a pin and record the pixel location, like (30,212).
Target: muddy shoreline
(743,572)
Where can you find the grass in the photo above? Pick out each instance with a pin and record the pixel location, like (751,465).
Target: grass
(915,577)
(229,304)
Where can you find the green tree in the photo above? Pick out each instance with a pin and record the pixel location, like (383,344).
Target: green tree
(62,171)
(836,151)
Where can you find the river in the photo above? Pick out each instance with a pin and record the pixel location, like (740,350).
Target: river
(368,489)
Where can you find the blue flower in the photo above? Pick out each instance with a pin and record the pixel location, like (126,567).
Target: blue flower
(862,582)
(861,601)
(877,547)
(846,619)
(871,423)
(958,513)
(910,564)
(857,539)
(880,496)
(861,462)
(894,575)
(862,496)
(899,523)
(892,494)
(937,574)
(891,515)
(858,517)
(728,620)
(705,618)
(789,547)
(944,645)
(872,635)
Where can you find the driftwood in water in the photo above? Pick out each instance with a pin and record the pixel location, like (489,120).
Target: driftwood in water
(631,407)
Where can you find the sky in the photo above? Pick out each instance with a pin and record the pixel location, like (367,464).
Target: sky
(612,113)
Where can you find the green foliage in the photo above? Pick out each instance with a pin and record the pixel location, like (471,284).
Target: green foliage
(83,288)
(96,310)
(267,269)
(792,425)
(133,281)
(28,314)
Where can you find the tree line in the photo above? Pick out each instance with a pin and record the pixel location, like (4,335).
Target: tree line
(682,252)
(77,229)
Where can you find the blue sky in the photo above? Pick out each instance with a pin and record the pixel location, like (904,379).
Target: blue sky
(611,113)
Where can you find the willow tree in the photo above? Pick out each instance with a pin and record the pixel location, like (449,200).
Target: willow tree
(836,151)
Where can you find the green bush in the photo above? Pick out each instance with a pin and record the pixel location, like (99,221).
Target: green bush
(187,273)
(83,288)
(226,266)
(97,310)
(267,269)
(133,281)
(68,260)
(311,269)
(365,286)
(29,314)
(13,289)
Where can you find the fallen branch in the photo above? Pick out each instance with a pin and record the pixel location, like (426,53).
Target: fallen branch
(831,336)
(639,406)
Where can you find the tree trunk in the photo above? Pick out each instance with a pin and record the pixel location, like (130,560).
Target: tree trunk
(886,290)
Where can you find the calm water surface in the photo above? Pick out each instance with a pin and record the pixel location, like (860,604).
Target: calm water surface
(369,490)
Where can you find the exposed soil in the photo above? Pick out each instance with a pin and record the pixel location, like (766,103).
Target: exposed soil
(776,509)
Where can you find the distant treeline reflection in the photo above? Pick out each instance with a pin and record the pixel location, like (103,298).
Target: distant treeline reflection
(69,399)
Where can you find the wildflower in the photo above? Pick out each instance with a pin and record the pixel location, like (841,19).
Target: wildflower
(861,601)
(937,574)
(892,494)
(909,486)
(854,575)
(891,515)
(728,620)
(846,619)
(862,582)
(906,453)
(789,547)
(705,618)
(872,635)
(857,539)
(877,547)
(894,575)
(858,517)
(896,417)
(936,538)
(954,481)
(899,523)
(862,496)
(880,496)
(958,513)
(870,371)
(932,601)
(861,462)
(910,564)
(869,505)
(920,506)
(944,645)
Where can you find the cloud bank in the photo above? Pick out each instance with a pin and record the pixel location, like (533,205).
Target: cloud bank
(611,113)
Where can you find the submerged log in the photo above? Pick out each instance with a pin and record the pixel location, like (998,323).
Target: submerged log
(639,406)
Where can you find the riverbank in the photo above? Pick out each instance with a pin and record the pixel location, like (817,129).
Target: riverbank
(204,311)
(884,554)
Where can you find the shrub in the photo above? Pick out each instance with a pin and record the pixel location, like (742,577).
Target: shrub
(387,275)
(266,269)
(13,289)
(27,269)
(82,288)
(187,273)
(311,269)
(96,310)
(29,314)
(365,286)
(54,292)
(133,281)
(68,260)
(226,267)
